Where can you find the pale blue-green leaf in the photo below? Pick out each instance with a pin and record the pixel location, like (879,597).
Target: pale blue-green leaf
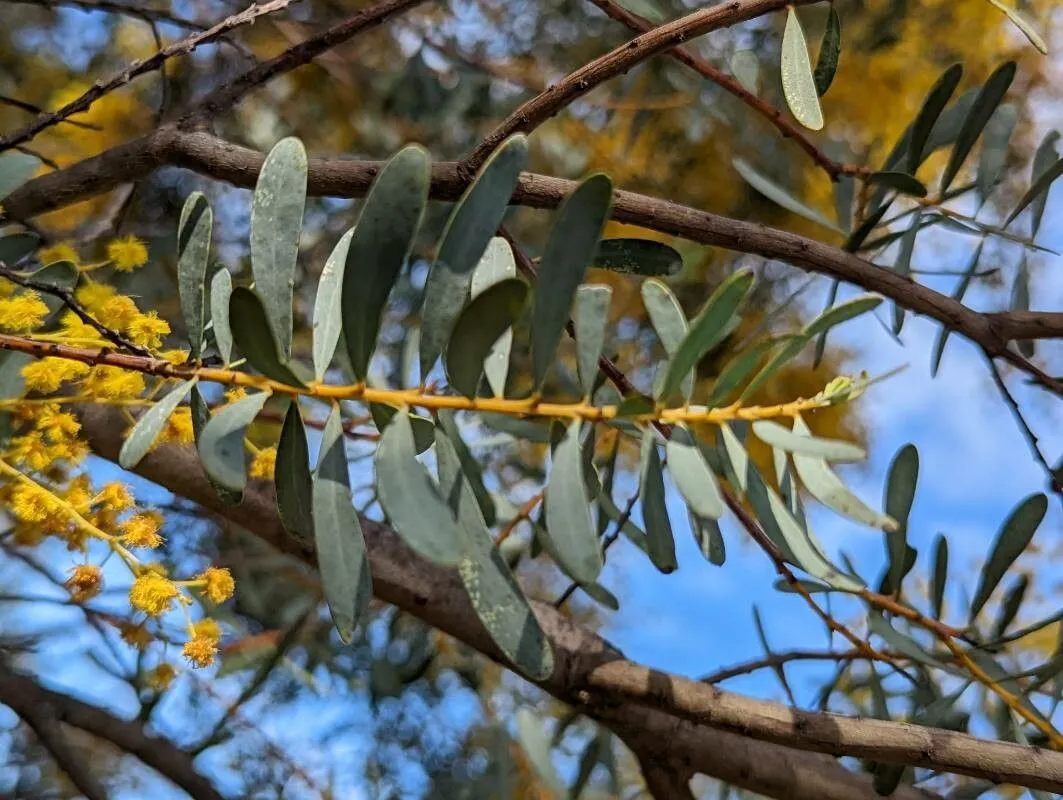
(221,288)
(221,444)
(707,330)
(15,169)
(779,195)
(995,143)
(338,539)
(423,429)
(590,318)
(939,576)
(412,502)
(692,476)
(470,467)
(292,479)
(709,538)
(985,104)
(660,540)
(496,265)
(12,384)
(537,747)
(746,68)
(193,253)
(918,135)
(901,643)
(17,246)
(1019,21)
(1010,605)
(644,257)
(647,9)
(1044,157)
(480,326)
(824,485)
(1006,680)
(1020,301)
(739,368)
(493,593)
(569,250)
(798,83)
(328,308)
(276,225)
(899,496)
(736,459)
(960,291)
(472,224)
(830,49)
(247,319)
(568,516)
(1014,537)
(776,435)
(150,425)
(1041,185)
(668,320)
(379,246)
(200,418)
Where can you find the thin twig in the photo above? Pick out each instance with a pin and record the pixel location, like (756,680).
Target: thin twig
(35,109)
(777,659)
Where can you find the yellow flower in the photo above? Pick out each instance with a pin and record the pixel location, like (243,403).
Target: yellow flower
(176,356)
(60,251)
(85,582)
(93,295)
(134,634)
(178,427)
(142,531)
(30,504)
(147,330)
(115,496)
(152,594)
(22,312)
(57,426)
(117,312)
(264,463)
(218,584)
(161,677)
(127,253)
(114,383)
(48,374)
(207,628)
(32,451)
(200,651)
(235,393)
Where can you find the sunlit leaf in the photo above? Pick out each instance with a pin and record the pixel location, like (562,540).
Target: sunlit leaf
(918,135)
(537,747)
(276,225)
(779,195)
(413,503)
(147,429)
(472,224)
(798,83)
(423,429)
(644,257)
(481,324)
(328,308)
(379,246)
(193,253)
(1012,540)
(341,556)
(692,476)
(709,538)
(496,265)
(668,320)
(985,104)
(570,248)
(292,479)
(776,435)
(221,289)
(221,444)
(590,318)
(568,517)
(706,330)
(247,318)
(1023,24)
(830,50)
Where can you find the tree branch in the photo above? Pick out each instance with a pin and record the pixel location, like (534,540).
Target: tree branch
(26,697)
(591,674)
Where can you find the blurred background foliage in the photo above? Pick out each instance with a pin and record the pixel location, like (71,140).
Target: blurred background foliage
(442,76)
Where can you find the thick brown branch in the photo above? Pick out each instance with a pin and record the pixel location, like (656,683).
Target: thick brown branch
(530,115)
(586,662)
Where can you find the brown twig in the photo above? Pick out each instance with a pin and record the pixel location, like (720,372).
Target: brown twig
(778,659)
(14,102)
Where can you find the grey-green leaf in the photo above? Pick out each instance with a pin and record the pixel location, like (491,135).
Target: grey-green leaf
(746,68)
(923,125)
(423,429)
(779,195)
(537,747)
(830,50)
(985,104)
(798,83)
(776,435)
(940,575)
(740,367)
(221,444)
(644,257)
(660,541)
(413,503)
(480,326)
(221,288)
(276,225)
(338,539)
(379,246)
(668,320)
(470,467)
(15,169)
(1020,301)
(877,624)
(1014,537)
(248,320)
(471,226)
(496,265)
(898,181)
(709,538)
(1023,24)
(193,253)
(960,291)
(590,318)
(707,330)
(900,494)
(292,479)
(16,246)
(328,306)
(568,516)
(570,248)
(150,424)
(994,153)
(692,476)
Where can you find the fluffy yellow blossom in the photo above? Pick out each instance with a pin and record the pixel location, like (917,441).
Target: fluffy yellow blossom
(176,356)
(57,426)
(264,463)
(22,312)
(114,383)
(161,677)
(207,628)
(127,253)
(200,651)
(93,295)
(217,584)
(25,535)
(178,429)
(48,374)
(37,453)
(76,328)
(117,312)
(152,594)
(115,496)
(134,634)
(60,251)
(142,530)
(79,492)
(235,393)
(85,582)
(31,504)
(148,329)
